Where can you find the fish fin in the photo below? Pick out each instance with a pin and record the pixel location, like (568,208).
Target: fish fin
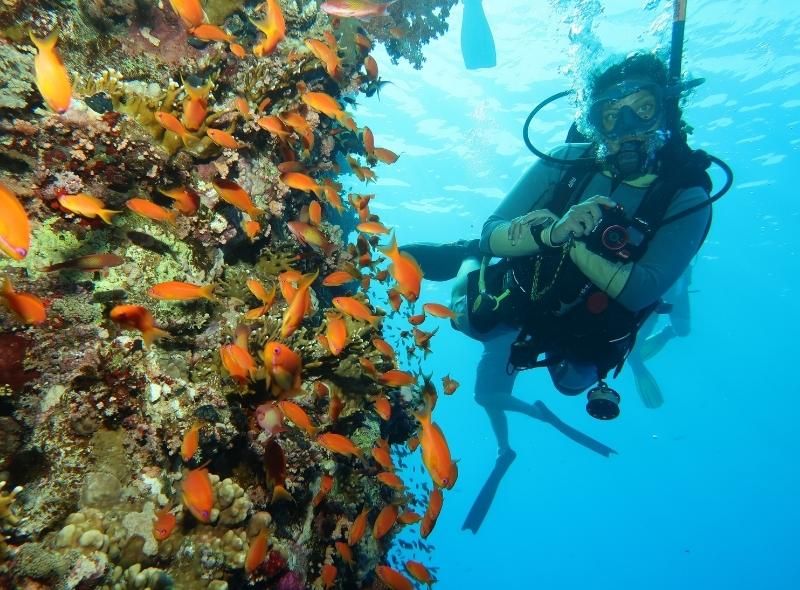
(47,43)
(172,217)
(255,213)
(280,494)
(151,335)
(107,214)
(208,293)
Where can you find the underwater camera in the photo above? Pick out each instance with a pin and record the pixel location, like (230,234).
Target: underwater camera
(616,237)
(603,402)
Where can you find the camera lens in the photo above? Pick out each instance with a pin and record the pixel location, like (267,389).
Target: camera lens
(614,237)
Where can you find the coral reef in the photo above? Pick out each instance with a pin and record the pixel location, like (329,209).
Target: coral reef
(188,399)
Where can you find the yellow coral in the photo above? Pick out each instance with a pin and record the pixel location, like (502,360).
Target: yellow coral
(7,516)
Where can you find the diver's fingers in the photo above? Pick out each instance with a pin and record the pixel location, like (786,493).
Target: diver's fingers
(601,200)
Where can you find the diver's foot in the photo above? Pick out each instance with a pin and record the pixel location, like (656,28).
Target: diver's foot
(505,457)
(541,412)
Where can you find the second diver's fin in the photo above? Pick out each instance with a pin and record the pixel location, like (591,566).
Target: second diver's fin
(652,345)
(477,43)
(544,414)
(646,385)
(480,508)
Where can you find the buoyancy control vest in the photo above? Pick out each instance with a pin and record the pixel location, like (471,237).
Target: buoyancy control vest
(560,313)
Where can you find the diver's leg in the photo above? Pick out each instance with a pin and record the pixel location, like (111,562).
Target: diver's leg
(543,413)
(493,387)
(477,44)
(441,262)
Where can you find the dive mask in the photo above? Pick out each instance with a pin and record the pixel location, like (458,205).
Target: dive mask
(631,107)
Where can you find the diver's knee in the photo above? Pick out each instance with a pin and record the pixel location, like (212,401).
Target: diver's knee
(682,328)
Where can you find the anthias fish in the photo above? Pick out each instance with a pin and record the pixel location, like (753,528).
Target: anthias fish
(52,78)
(360,9)
(15,229)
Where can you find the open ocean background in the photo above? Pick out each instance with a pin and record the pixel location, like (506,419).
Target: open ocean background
(704,492)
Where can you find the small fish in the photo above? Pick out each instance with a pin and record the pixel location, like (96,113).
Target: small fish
(275,463)
(327,55)
(344,552)
(371,67)
(435,452)
(284,367)
(335,333)
(197,495)
(164,524)
(52,78)
(179,291)
(360,9)
(301,182)
(315,212)
(207,32)
(325,486)
(397,378)
(238,362)
(91,262)
(189,11)
(409,517)
(28,307)
(223,139)
(338,278)
(237,50)
(312,236)
(270,418)
(383,407)
(297,415)
(256,553)
(372,228)
(391,480)
(383,347)
(274,125)
(86,206)
(152,211)
(405,270)
(422,338)
(274,28)
(251,229)
(385,155)
(393,579)
(385,521)
(449,385)
(186,200)
(260,292)
(328,575)
(412,443)
(171,123)
(331,191)
(358,528)
(148,242)
(368,139)
(355,309)
(232,193)
(382,455)
(15,228)
(394,299)
(137,317)
(195,107)
(435,503)
(290,165)
(298,307)
(438,310)
(324,103)
(191,442)
(419,572)
(336,443)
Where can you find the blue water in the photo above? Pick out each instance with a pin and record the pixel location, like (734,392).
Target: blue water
(704,491)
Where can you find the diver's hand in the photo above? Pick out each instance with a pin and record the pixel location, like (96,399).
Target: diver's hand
(520,226)
(580,220)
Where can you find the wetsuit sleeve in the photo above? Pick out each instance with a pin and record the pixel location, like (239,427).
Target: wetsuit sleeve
(668,253)
(533,191)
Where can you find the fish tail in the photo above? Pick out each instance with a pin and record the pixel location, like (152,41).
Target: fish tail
(172,217)
(255,212)
(8,288)
(152,334)
(208,292)
(391,250)
(280,494)
(47,43)
(106,215)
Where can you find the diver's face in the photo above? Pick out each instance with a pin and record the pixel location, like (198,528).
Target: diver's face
(640,106)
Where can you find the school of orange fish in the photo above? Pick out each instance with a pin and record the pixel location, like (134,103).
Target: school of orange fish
(278,365)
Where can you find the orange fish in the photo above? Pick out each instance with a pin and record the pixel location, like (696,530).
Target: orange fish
(301,182)
(405,270)
(384,155)
(338,278)
(197,494)
(435,503)
(284,367)
(151,211)
(397,378)
(137,317)
(237,50)
(416,320)
(435,452)
(423,339)
(90,262)
(178,291)
(362,41)
(297,415)
(426,526)
(298,308)
(28,307)
(383,347)
(189,11)
(290,165)
(385,521)
(345,552)
(409,517)
(270,418)
(164,524)
(223,139)
(368,366)
(312,236)
(438,310)
(206,32)
(328,575)
(195,107)
(170,123)
(394,299)
(393,579)
(15,229)
(335,407)
(355,309)
(419,572)
(382,455)
(372,227)
(191,442)
(358,528)
(238,362)
(232,193)
(449,385)
(288,281)
(256,552)
(383,407)
(412,443)
(86,206)
(325,486)
(274,125)
(251,229)
(274,28)
(368,139)
(336,333)
(261,293)
(186,200)
(391,480)
(315,212)
(242,106)
(327,55)
(331,191)
(324,103)
(336,443)
(371,67)
(52,78)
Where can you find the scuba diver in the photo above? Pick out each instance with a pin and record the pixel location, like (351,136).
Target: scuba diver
(477,43)
(590,239)
(649,344)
